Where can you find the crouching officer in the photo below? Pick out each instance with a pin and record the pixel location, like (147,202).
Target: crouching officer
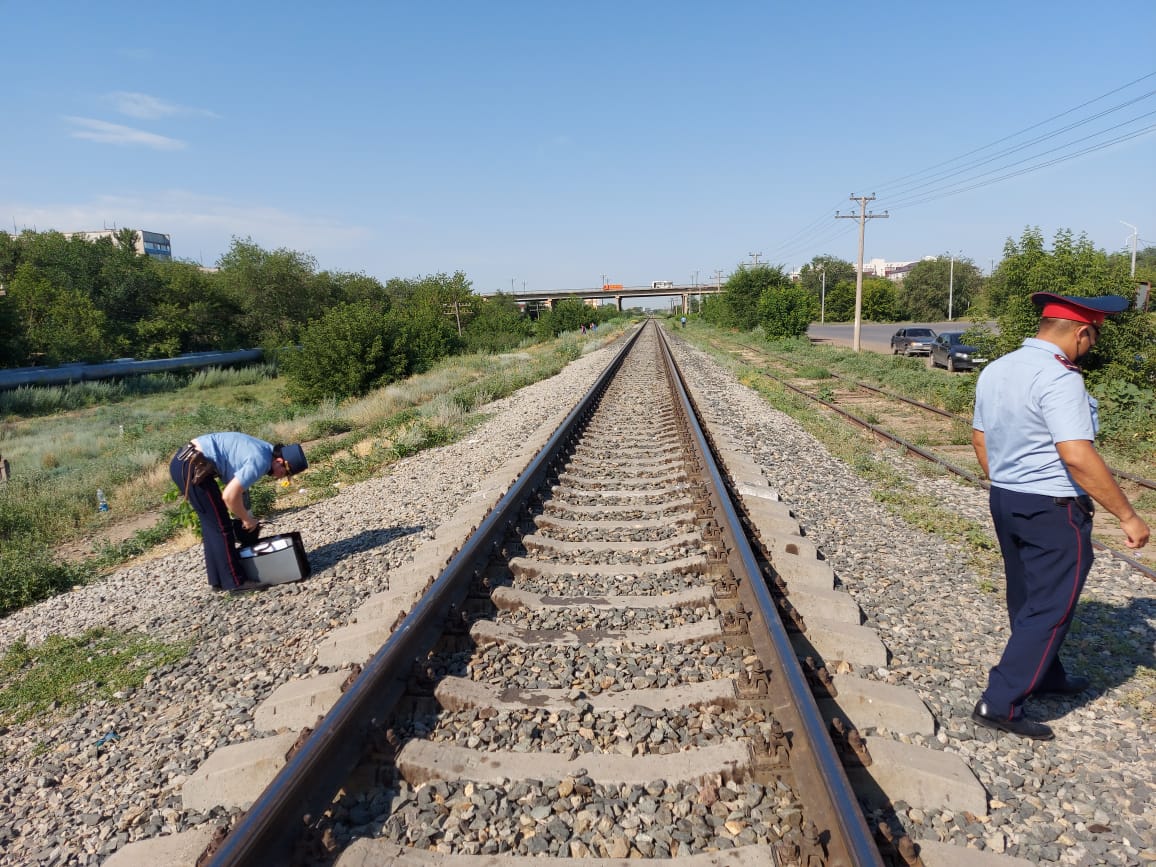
(1033,433)
(239,460)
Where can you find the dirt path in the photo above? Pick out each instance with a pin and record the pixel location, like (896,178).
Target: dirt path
(115,532)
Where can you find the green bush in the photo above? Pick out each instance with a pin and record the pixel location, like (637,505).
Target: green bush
(353,348)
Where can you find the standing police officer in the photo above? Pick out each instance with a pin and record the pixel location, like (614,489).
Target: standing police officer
(1033,434)
(239,460)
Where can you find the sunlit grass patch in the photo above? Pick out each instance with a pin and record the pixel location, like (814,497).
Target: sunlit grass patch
(64,673)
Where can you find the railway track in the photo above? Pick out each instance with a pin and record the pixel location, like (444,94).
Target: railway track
(598,660)
(940,437)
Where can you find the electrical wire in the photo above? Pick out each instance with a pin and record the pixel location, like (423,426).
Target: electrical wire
(1090,149)
(1015,134)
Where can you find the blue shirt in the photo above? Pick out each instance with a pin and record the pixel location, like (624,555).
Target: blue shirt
(1025,403)
(237,456)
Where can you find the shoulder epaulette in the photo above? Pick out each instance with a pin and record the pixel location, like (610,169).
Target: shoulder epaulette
(1070,365)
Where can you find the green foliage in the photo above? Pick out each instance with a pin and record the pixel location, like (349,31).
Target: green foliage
(568,314)
(497,326)
(60,323)
(29,574)
(739,300)
(348,351)
(1123,353)
(840,305)
(879,300)
(786,309)
(1072,267)
(825,271)
(923,295)
(182,515)
(68,672)
(423,334)
(277,291)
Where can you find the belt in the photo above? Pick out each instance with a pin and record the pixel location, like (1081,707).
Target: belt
(188,452)
(1083,501)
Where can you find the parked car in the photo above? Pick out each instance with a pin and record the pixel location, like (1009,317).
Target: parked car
(912,341)
(948,350)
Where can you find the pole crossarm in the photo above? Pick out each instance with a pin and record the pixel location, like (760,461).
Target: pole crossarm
(862,217)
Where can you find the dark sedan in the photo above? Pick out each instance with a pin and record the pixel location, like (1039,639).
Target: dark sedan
(948,350)
(912,341)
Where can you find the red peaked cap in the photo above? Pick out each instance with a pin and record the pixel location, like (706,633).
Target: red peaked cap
(1089,310)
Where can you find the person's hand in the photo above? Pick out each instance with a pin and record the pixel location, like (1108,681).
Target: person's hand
(250,525)
(1136,531)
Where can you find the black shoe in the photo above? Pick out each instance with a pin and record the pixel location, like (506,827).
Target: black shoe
(248,587)
(1074,685)
(1021,726)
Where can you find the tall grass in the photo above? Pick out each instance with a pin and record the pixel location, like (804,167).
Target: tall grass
(123,446)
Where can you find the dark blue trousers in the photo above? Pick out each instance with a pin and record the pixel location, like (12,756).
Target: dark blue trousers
(1047,554)
(221,558)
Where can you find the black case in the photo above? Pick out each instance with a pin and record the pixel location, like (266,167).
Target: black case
(272,561)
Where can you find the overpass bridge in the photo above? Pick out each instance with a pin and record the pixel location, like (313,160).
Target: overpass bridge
(612,292)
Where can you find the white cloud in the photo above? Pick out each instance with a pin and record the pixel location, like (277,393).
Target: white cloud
(201,226)
(114,133)
(143,106)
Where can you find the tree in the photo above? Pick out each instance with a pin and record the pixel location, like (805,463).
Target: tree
(569,314)
(879,300)
(924,294)
(786,309)
(1073,267)
(60,324)
(198,308)
(841,301)
(498,325)
(276,289)
(825,271)
(350,350)
(738,304)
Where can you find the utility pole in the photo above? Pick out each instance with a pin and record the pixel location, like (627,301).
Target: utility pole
(694,280)
(823,296)
(862,218)
(1133,236)
(950,285)
(754,258)
(718,279)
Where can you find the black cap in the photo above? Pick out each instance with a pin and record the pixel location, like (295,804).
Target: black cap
(294,456)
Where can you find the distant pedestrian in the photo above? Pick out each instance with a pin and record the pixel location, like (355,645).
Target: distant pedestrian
(239,460)
(1033,433)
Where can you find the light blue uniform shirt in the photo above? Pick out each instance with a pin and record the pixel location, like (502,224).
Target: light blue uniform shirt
(237,456)
(1025,403)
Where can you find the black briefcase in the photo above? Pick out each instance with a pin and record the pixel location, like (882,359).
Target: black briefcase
(278,559)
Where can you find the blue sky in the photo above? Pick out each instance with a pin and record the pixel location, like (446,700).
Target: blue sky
(537,145)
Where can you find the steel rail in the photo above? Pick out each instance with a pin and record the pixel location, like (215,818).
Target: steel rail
(270,830)
(1143,569)
(861,847)
(1121,474)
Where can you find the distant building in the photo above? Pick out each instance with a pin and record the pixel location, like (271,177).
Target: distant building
(895,271)
(152,244)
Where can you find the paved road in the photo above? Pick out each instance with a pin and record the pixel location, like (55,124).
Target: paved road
(876,337)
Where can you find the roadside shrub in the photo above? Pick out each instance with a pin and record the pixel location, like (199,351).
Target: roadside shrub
(353,348)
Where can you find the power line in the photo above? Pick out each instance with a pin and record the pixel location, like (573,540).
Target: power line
(1008,151)
(1019,133)
(1091,149)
